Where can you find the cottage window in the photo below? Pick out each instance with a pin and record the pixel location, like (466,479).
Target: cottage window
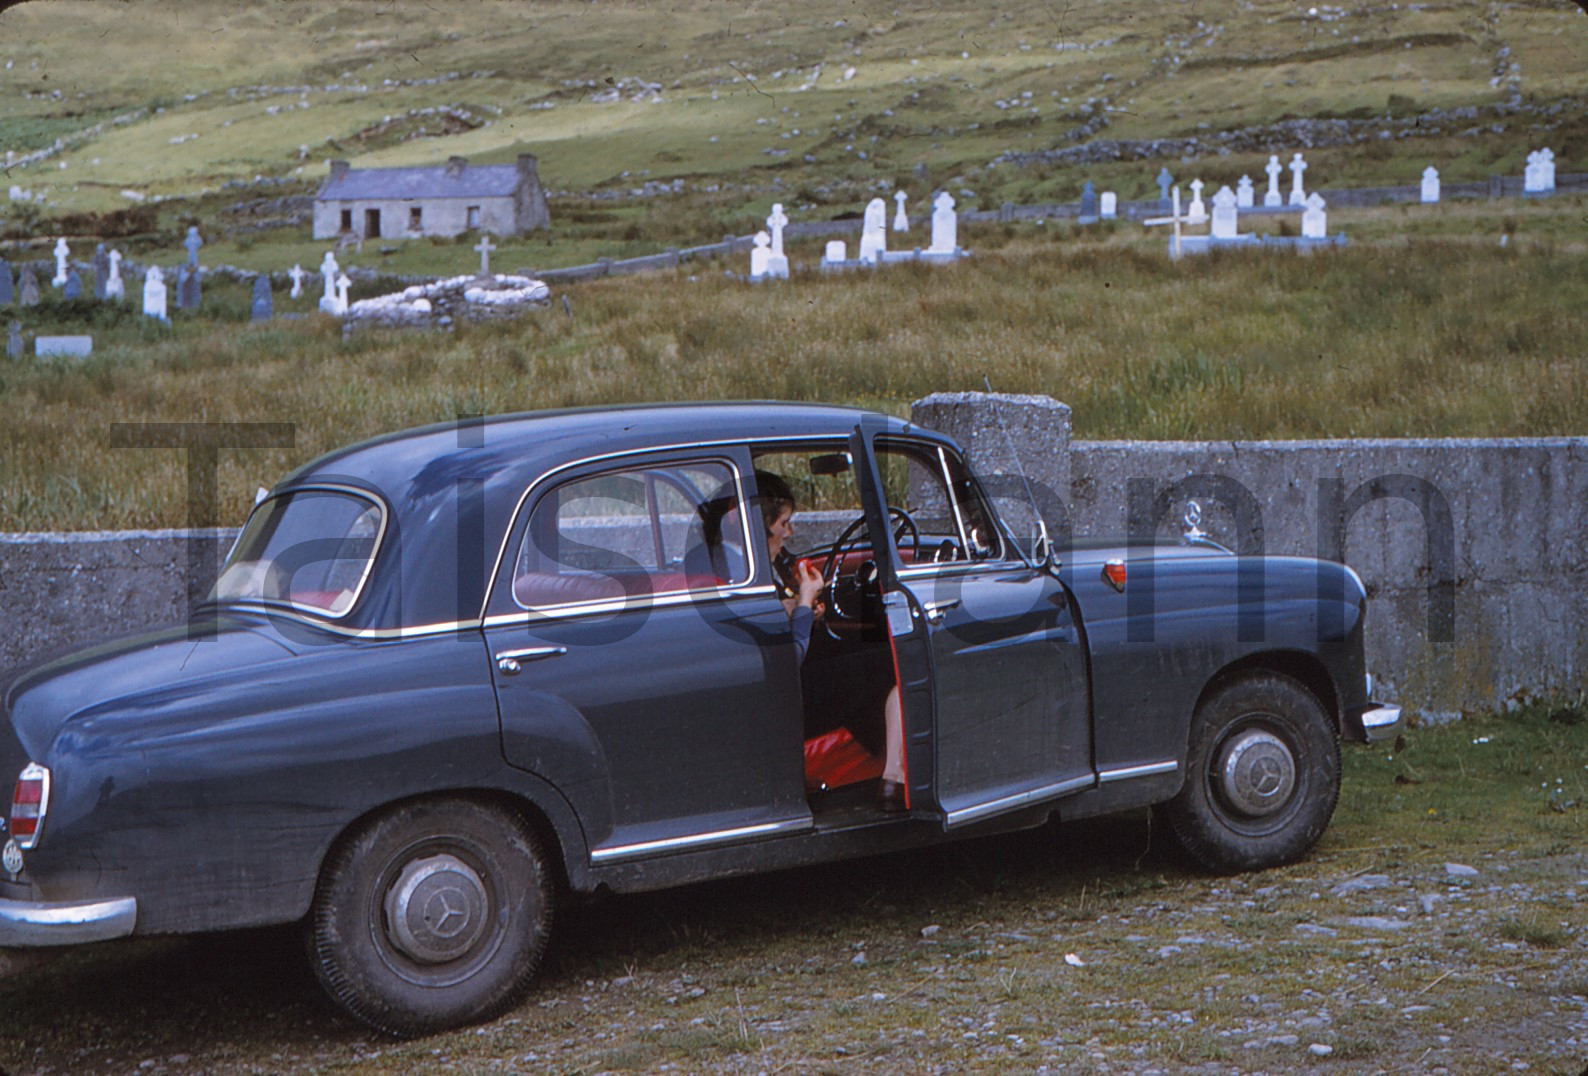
(474,216)
(415,218)
(347,220)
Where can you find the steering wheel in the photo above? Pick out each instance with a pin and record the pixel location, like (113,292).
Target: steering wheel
(844,603)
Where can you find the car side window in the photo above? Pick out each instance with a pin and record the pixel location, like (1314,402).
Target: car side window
(936,512)
(632,533)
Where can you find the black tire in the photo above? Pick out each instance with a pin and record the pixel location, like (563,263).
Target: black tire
(431,916)
(1262,775)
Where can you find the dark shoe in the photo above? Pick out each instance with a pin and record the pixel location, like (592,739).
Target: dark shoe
(890,795)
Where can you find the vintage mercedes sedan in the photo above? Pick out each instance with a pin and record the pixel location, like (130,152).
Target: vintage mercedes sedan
(450,677)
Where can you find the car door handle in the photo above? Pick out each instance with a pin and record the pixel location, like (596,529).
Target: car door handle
(935,610)
(510,661)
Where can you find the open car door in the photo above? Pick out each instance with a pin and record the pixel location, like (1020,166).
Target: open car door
(992,670)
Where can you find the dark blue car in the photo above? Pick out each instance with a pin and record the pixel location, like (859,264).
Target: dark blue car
(453,676)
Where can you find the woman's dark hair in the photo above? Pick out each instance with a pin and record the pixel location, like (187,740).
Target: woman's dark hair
(774,496)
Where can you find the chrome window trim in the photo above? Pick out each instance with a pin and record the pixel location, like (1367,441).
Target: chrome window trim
(1018,799)
(1126,773)
(696,840)
(618,604)
(310,612)
(529,490)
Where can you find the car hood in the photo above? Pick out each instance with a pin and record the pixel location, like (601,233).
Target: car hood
(132,673)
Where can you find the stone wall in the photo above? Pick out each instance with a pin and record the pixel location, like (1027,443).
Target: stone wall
(1473,551)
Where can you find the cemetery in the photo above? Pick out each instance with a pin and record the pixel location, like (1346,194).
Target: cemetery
(1333,256)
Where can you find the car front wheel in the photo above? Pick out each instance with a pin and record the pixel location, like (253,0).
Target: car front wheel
(431,916)
(1262,775)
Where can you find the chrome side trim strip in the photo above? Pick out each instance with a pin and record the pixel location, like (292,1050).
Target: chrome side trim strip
(26,924)
(558,613)
(1019,799)
(1151,769)
(695,840)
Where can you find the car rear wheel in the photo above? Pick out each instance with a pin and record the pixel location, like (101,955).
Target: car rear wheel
(1262,775)
(431,916)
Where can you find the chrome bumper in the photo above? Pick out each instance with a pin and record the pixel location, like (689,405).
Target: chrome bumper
(1380,721)
(26,924)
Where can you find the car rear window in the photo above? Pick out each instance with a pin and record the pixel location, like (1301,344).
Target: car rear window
(310,550)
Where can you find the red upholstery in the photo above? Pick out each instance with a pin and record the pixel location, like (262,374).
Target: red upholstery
(835,759)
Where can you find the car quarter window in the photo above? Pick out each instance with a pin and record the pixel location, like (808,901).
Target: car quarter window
(634,532)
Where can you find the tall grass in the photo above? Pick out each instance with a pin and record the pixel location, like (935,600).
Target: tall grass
(1423,337)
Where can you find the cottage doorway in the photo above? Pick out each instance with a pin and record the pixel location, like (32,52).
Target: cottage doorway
(371,224)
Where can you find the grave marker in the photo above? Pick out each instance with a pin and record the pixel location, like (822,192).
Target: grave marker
(262,309)
(1088,214)
(75,347)
(187,287)
(328,270)
(837,253)
(1197,212)
(1314,221)
(1297,167)
(154,294)
(74,285)
(14,346)
(297,274)
(1539,176)
(873,233)
(760,254)
(192,243)
(7,296)
(901,219)
(1273,168)
(114,287)
(1243,193)
(1108,205)
(1226,215)
(29,285)
(776,260)
(61,251)
(1164,180)
(484,246)
(1430,191)
(945,225)
(342,284)
(101,272)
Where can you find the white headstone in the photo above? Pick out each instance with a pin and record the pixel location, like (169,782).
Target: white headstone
(154,293)
(945,225)
(342,284)
(1297,167)
(1314,221)
(837,252)
(874,232)
(1226,217)
(901,219)
(1108,205)
(1546,168)
(1243,193)
(777,261)
(61,251)
(1197,211)
(759,255)
(297,274)
(1273,168)
(114,287)
(1430,184)
(1539,176)
(328,270)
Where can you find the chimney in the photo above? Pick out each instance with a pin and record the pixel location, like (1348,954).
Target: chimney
(455,166)
(527,168)
(338,170)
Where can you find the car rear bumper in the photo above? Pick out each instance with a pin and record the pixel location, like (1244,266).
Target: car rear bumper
(1377,721)
(32,924)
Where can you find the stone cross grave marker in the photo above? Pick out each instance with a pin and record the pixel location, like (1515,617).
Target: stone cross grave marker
(760,254)
(1314,221)
(945,225)
(14,346)
(297,274)
(1088,213)
(192,243)
(1197,211)
(101,272)
(328,270)
(1164,181)
(1430,190)
(1226,215)
(7,296)
(61,252)
(115,288)
(1108,205)
(776,260)
(154,294)
(261,309)
(874,232)
(1243,193)
(1297,167)
(901,219)
(342,284)
(1174,220)
(74,285)
(1273,168)
(484,246)
(28,283)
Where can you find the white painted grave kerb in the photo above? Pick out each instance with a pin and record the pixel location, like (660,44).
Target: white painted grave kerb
(76,347)
(1430,190)
(1273,168)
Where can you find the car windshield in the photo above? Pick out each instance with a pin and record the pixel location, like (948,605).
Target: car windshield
(311,550)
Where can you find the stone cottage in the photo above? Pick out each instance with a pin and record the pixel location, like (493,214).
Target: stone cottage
(408,203)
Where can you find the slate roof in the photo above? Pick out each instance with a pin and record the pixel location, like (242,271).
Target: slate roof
(474,181)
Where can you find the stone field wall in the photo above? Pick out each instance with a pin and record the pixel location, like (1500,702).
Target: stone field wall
(1473,551)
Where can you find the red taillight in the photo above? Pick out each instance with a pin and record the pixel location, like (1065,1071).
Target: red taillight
(1114,574)
(29,804)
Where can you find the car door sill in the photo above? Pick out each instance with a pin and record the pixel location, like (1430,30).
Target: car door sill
(976,812)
